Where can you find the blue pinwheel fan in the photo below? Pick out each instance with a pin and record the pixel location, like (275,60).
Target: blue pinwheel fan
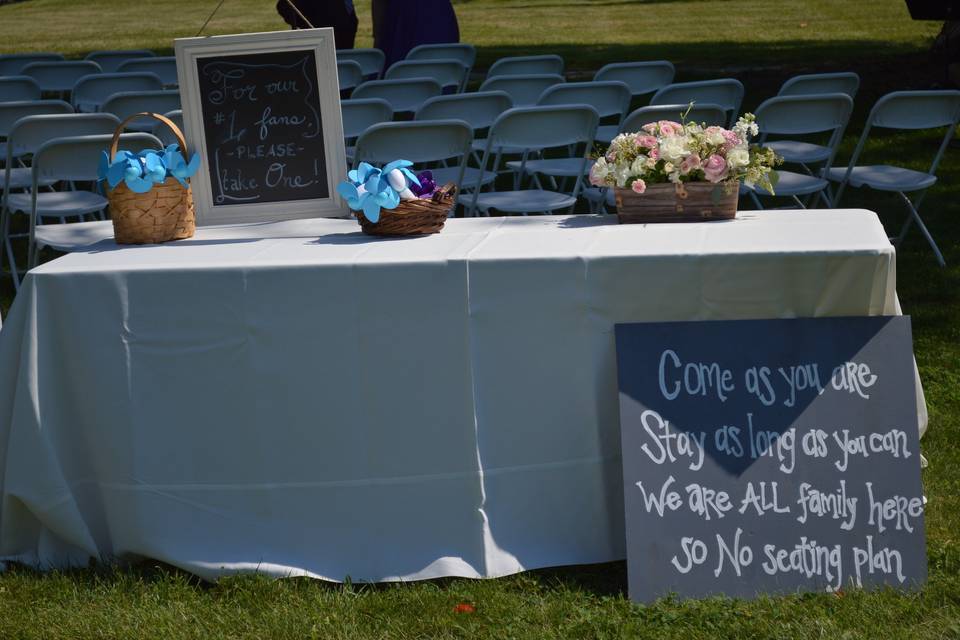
(369,189)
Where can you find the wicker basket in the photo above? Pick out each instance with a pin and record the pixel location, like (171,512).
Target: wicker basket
(162,214)
(413,217)
(682,202)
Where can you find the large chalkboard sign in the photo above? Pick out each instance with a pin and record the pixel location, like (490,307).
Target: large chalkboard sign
(770,456)
(263,111)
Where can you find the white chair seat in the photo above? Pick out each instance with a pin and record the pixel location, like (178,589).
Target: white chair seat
(884,177)
(471,176)
(559,167)
(59,204)
(800,152)
(75,236)
(531,200)
(792,184)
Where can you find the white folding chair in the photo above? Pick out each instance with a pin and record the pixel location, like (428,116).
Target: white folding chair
(164,67)
(427,143)
(26,137)
(10,113)
(12,64)
(448,72)
(349,75)
(844,82)
(534,128)
(525,89)
(803,115)
(163,133)
(526,65)
(126,103)
(641,77)
(60,76)
(727,92)
(18,89)
(911,111)
(360,114)
(370,60)
(110,60)
(90,92)
(461,51)
(479,110)
(403,95)
(608,98)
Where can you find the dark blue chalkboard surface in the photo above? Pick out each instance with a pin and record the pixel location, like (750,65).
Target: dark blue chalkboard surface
(770,456)
(263,127)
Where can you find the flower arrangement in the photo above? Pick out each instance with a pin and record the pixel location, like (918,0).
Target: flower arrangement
(370,189)
(141,171)
(673,152)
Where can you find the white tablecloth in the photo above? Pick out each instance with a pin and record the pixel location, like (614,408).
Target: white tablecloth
(300,399)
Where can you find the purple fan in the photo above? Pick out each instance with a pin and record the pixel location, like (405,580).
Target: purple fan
(426,187)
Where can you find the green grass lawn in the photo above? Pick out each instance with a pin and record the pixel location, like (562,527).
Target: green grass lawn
(760,42)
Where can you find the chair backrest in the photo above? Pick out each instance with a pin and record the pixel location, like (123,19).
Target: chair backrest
(349,74)
(403,95)
(416,141)
(806,114)
(165,135)
(127,103)
(641,77)
(524,90)
(11,112)
(360,114)
(727,92)
(526,65)
(447,71)
(478,109)
(701,113)
(110,61)
(910,110)
(31,132)
(90,92)
(544,127)
(78,157)
(60,76)
(13,63)
(609,98)
(18,89)
(370,60)
(460,51)
(164,67)
(844,82)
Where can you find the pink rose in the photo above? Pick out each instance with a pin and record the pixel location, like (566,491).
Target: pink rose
(690,163)
(638,186)
(595,179)
(650,127)
(715,168)
(731,138)
(650,142)
(654,153)
(669,128)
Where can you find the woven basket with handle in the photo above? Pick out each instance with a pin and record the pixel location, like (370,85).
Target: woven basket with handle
(162,214)
(413,217)
(682,202)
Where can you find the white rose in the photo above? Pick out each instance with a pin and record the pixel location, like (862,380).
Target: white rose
(639,165)
(714,137)
(738,158)
(674,148)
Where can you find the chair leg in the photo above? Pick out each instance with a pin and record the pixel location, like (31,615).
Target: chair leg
(7,246)
(756,200)
(915,217)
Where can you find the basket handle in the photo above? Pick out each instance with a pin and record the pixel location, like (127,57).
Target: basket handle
(156,116)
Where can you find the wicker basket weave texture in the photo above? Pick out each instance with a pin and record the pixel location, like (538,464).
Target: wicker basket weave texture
(413,217)
(162,214)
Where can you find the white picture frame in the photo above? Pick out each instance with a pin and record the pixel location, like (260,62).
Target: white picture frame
(320,42)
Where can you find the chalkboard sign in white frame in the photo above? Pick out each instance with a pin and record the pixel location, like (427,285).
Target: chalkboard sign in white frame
(318,41)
